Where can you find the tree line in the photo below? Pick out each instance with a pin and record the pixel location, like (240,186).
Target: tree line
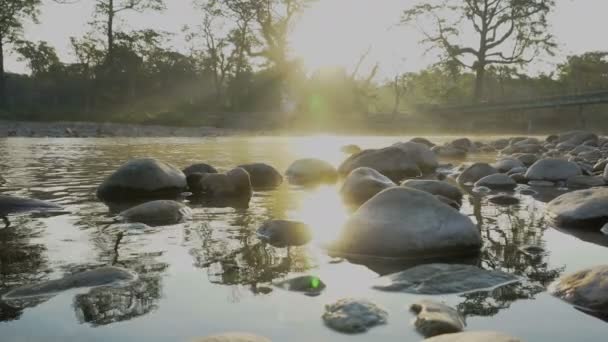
(239,61)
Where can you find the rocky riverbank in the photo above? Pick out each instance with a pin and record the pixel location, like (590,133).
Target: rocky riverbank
(103,130)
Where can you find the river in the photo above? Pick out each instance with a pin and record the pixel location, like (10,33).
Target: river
(212,275)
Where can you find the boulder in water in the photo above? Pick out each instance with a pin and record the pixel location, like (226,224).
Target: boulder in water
(497,181)
(553,170)
(475,172)
(585,181)
(362,184)
(577,137)
(199,168)
(263,176)
(508,164)
(284,233)
(157,213)
(403,222)
(435,187)
(580,209)
(586,289)
(311,171)
(232,184)
(434,318)
(392,162)
(503,199)
(353,315)
(437,279)
(142,178)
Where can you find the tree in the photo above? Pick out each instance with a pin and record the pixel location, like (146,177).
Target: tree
(12,15)
(585,72)
(40,57)
(508,32)
(107,10)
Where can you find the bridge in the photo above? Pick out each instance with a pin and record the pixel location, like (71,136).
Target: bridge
(574,100)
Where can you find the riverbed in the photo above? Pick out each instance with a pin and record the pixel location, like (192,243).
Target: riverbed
(211,274)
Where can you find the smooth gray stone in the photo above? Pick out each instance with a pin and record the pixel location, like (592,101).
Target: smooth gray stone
(585,181)
(475,172)
(362,184)
(436,279)
(102,276)
(434,318)
(497,181)
(16,205)
(503,199)
(586,289)
(435,187)
(310,285)
(311,171)
(586,209)
(392,162)
(353,315)
(157,213)
(552,170)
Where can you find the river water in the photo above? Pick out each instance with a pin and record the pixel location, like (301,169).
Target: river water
(212,275)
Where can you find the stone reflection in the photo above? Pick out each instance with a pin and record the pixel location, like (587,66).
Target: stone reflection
(21,262)
(513,243)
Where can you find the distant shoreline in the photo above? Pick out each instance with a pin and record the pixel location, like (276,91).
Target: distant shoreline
(65,129)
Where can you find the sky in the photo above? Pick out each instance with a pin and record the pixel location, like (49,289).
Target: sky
(332,32)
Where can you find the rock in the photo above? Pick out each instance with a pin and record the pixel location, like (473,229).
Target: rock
(449,152)
(353,315)
(437,279)
(97,277)
(481,190)
(553,170)
(422,141)
(552,138)
(449,202)
(586,289)
(605,174)
(233,337)
(362,184)
(157,213)
(541,184)
(517,170)
(503,199)
(462,144)
(438,188)
(142,178)
(436,319)
(199,168)
(474,336)
(508,164)
(528,191)
(604,229)
(475,172)
(497,181)
(262,176)
(583,208)
(421,154)
(585,181)
(577,137)
(15,205)
(232,184)
(284,233)
(311,171)
(404,222)
(310,285)
(392,162)
(350,149)
(600,166)
(519,178)
(527,158)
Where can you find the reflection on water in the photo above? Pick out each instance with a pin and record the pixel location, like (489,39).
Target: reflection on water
(213,274)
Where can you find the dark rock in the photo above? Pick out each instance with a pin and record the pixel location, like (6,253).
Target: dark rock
(284,233)
(434,318)
(310,285)
(263,176)
(497,181)
(586,289)
(157,213)
(553,170)
(392,162)
(475,172)
(503,199)
(199,168)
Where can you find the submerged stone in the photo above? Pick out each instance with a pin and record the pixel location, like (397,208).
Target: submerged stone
(263,176)
(311,171)
(102,276)
(157,213)
(353,315)
(16,205)
(434,318)
(310,285)
(435,279)
(503,199)
(586,289)
(284,233)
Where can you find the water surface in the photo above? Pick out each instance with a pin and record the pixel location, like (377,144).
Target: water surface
(211,274)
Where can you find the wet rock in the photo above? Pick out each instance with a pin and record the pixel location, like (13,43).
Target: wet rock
(584,181)
(528,191)
(577,137)
(553,170)
(434,318)
(362,184)
(586,289)
(436,279)
(435,187)
(503,199)
(605,174)
(284,233)
(15,205)
(97,277)
(475,172)
(583,208)
(353,315)
(350,149)
(462,143)
(421,154)
(527,158)
(449,152)
(404,222)
(233,337)
(541,184)
(604,229)
(600,166)
(449,202)
(515,170)
(422,141)
(232,184)
(262,176)
(199,168)
(497,181)
(142,178)
(391,162)
(500,143)
(310,285)
(519,178)
(481,190)
(474,336)
(508,164)
(157,213)
(311,171)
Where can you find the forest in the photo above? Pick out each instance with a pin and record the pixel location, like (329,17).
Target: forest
(239,64)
